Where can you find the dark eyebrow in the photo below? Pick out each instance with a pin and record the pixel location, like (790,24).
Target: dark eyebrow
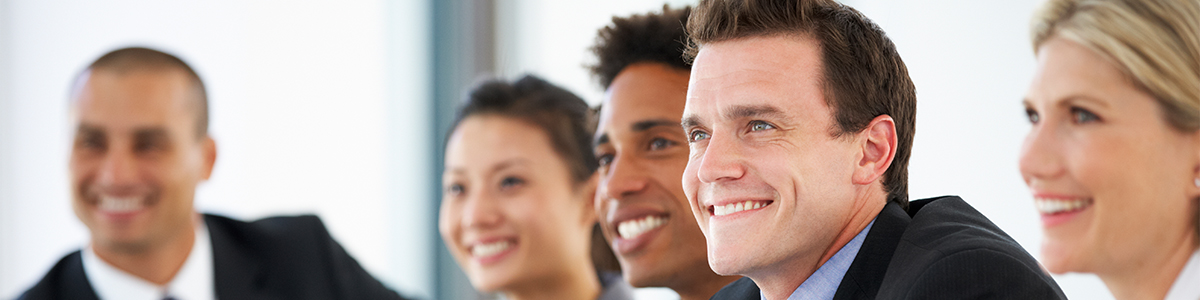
(690,121)
(509,163)
(639,126)
(600,140)
(151,133)
(502,165)
(648,124)
(750,111)
(88,129)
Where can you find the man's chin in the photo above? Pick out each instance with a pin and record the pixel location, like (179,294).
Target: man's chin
(730,265)
(121,244)
(643,277)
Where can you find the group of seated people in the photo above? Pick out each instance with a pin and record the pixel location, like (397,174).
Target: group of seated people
(744,149)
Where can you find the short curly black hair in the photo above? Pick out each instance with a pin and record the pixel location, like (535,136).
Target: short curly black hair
(652,37)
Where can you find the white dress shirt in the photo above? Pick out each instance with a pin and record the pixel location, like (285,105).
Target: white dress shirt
(193,282)
(1187,284)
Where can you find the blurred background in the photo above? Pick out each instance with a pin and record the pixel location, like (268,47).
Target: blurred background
(338,108)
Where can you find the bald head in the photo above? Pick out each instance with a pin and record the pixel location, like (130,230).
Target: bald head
(136,60)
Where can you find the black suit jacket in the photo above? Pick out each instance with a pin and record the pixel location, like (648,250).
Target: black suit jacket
(942,248)
(272,258)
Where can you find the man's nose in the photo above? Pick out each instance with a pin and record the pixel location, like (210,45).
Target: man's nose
(624,176)
(119,168)
(722,159)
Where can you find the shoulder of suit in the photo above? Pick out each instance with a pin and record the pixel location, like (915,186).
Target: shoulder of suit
(741,289)
(949,245)
(275,229)
(949,224)
(52,284)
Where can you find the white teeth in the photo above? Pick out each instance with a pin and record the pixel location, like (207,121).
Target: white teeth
(721,210)
(633,228)
(489,249)
(1054,206)
(119,205)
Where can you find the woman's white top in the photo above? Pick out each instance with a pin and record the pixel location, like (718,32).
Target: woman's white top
(1187,284)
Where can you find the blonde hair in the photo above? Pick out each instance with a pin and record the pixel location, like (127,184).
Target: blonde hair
(1155,42)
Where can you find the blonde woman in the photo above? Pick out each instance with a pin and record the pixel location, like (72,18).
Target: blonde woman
(1113,156)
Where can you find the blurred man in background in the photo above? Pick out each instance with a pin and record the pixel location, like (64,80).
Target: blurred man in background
(642,153)
(140,148)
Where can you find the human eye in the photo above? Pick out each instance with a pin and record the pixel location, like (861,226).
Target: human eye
(509,182)
(455,189)
(1082,116)
(1032,115)
(90,141)
(604,159)
(660,143)
(697,135)
(760,125)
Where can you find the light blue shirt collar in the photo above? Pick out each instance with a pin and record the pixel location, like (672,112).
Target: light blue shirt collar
(823,283)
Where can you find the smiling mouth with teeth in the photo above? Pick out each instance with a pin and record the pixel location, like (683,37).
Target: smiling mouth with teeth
(120,204)
(489,249)
(1048,206)
(633,228)
(721,210)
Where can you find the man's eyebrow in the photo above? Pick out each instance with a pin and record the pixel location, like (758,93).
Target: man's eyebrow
(647,124)
(600,140)
(151,133)
(88,128)
(751,111)
(690,121)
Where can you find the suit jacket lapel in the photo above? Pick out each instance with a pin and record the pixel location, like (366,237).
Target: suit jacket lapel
(865,275)
(237,272)
(75,284)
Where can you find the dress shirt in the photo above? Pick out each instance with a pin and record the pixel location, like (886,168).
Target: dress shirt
(1187,284)
(823,283)
(193,282)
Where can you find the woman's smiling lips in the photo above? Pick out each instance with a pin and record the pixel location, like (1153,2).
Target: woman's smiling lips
(1058,209)
(489,251)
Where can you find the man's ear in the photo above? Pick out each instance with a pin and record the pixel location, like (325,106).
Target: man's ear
(210,156)
(878,150)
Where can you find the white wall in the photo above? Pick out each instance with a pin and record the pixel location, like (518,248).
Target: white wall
(313,102)
(970,60)
(972,63)
(301,106)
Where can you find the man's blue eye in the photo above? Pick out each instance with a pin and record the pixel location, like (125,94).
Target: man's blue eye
(697,136)
(760,125)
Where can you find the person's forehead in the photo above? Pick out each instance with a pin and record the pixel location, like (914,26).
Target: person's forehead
(480,142)
(762,55)
(639,95)
(138,89)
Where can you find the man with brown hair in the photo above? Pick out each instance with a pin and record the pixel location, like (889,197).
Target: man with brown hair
(642,153)
(800,119)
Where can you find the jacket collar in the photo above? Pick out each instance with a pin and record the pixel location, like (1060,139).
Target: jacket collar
(865,275)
